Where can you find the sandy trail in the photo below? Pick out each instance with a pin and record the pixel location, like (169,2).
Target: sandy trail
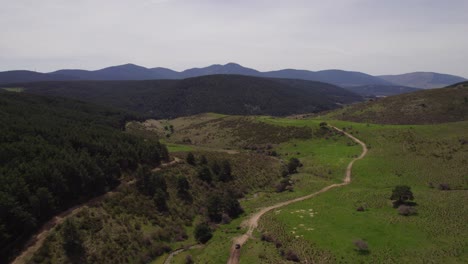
(38,239)
(252,222)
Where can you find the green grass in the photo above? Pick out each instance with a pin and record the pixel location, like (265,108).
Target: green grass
(411,155)
(14,89)
(414,155)
(172,147)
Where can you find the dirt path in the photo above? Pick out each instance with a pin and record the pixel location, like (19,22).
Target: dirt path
(178,251)
(38,239)
(252,222)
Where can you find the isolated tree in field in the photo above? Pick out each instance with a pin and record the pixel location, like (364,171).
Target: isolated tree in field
(401,194)
(190,158)
(202,233)
(293,164)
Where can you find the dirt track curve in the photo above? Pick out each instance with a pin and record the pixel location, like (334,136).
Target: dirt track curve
(252,222)
(38,239)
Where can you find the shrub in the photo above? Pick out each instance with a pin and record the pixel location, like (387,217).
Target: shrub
(406,210)
(189,259)
(291,256)
(361,245)
(190,158)
(203,233)
(293,164)
(444,187)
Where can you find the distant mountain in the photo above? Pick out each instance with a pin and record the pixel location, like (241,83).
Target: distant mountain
(121,72)
(381,90)
(432,106)
(230,68)
(30,76)
(135,72)
(336,77)
(226,94)
(424,80)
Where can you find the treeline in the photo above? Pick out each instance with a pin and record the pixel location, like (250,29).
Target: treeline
(55,153)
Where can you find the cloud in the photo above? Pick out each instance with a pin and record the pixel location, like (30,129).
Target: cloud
(378,37)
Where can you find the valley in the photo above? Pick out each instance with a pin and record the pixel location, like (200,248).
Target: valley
(272,182)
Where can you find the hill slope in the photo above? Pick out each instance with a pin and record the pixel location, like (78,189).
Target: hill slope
(226,94)
(55,153)
(442,105)
(423,79)
(381,90)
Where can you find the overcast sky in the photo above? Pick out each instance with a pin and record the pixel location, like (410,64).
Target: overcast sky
(372,36)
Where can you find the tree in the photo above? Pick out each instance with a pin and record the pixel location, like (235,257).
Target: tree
(293,164)
(72,241)
(215,168)
(203,233)
(401,194)
(204,174)
(225,174)
(214,206)
(183,187)
(203,160)
(190,158)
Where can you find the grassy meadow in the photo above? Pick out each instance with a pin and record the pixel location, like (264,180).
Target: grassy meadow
(321,229)
(421,157)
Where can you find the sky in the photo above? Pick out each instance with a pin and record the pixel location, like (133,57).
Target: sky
(372,36)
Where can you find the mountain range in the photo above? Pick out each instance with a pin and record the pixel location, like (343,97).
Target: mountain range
(134,72)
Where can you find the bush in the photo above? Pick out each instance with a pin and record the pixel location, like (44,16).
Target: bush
(361,245)
(406,210)
(293,164)
(203,233)
(444,187)
(189,259)
(291,256)
(190,158)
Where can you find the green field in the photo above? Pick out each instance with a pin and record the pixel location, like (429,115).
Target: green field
(323,228)
(410,155)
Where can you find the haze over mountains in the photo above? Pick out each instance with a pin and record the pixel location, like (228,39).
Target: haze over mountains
(134,72)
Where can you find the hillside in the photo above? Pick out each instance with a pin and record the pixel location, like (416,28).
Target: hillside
(55,153)
(380,90)
(135,72)
(425,80)
(226,94)
(442,105)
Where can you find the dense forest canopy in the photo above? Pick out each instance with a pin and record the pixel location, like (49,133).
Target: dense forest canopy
(57,152)
(225,94)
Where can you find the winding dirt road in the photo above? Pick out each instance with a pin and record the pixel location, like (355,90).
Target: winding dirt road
(252,222)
